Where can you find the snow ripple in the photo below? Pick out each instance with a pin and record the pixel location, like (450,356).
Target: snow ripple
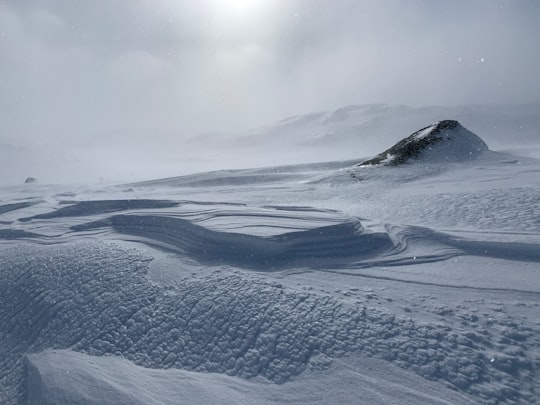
(16,206)
(86,208)
(514,209)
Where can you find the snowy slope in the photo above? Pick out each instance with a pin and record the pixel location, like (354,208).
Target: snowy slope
(362,130)
(63,377)
(385,123)
(416,283)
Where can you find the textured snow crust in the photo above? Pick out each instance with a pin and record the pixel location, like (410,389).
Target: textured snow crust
(96,298)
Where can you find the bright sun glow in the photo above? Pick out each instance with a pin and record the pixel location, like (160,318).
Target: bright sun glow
(239,8)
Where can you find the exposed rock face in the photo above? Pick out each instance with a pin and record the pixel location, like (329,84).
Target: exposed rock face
(443,141)
(30,180)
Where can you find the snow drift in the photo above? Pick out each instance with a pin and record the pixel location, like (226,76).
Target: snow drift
(64,377)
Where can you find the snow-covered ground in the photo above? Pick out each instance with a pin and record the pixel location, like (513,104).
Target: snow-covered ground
(322,283)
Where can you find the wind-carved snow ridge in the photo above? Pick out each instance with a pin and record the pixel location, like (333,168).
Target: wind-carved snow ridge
(269,238)
(344,244)
(87,208)
(317,247)
(410,238)
(96,298)
(444,141)
(15,206)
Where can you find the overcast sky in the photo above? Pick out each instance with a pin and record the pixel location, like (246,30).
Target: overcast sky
(82,67)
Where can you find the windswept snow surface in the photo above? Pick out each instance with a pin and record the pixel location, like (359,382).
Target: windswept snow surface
(64,377)
(302,284)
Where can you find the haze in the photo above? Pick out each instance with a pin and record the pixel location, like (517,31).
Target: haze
(116,86)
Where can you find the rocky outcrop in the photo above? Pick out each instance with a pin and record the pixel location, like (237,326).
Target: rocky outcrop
(443,141)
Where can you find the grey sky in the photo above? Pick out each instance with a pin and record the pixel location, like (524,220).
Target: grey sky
(84,67)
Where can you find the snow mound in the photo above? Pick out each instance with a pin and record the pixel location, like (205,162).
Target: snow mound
(343,243)
(64,377)
(444,141)
(315,247)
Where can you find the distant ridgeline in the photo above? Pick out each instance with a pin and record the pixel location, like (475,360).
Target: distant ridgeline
(443,141)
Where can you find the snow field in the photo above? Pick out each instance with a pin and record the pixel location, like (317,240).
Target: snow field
(515,209)
(245,285)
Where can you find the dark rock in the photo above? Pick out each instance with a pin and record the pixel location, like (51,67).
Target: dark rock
(445,141)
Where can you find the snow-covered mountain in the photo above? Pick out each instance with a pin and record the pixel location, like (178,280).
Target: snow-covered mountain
(363,130)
